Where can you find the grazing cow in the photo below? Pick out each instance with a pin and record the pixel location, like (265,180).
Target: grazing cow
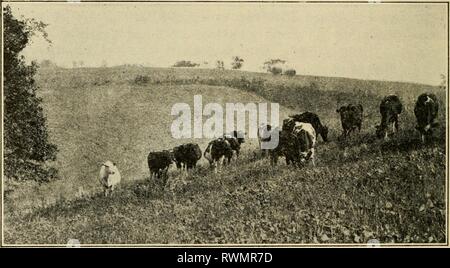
(109,176)
(426,111)
(313,119)
(390,108)
(351,118)
(217,150)
(288,147)
(159,163)
(264,134)
(235,138)
(187,155)
(306,138)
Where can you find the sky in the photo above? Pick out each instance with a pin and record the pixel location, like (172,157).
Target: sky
(395,42)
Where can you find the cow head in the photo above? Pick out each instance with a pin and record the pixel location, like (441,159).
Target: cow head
(264,132)
(171,155)
(427,129)
(305,156)
(288,124)
(239,135)
(341,110)
(109,167)
(380,131)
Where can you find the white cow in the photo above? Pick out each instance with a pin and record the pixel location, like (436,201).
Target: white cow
(306,135)
(109,176)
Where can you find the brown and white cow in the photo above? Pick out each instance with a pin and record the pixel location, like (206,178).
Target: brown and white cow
(217,151)
(306,137)
(235,139)
(426,112)
(390,108)
(314,120)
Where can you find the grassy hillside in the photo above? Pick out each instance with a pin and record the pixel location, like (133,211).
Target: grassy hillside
(120,121)
(361,188)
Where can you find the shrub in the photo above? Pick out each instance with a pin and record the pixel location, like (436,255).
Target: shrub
(275,70)
(185,63)
(290,72)
(141,79)
(237,63)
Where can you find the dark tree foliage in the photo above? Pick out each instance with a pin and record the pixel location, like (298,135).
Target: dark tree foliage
(271,66)
(185,63)
(237,63)
(26,144)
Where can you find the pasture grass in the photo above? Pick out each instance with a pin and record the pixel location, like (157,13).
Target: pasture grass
(361,188)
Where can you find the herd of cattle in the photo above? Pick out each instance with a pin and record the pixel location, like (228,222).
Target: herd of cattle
(297,139)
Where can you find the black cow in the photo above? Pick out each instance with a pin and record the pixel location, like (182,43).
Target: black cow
(159,163)
(351,118)
(390,108)
(217,150)
(426,112)
(187,155)
(313,119)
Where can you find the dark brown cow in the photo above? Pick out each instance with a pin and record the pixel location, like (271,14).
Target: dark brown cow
(187,155)
(159,163)
(351,118)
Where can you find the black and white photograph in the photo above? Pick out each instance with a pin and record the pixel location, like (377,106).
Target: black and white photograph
(225,124)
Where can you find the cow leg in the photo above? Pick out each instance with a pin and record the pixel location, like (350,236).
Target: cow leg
(273,160)
(288,161)
(312,157)
(166,175)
